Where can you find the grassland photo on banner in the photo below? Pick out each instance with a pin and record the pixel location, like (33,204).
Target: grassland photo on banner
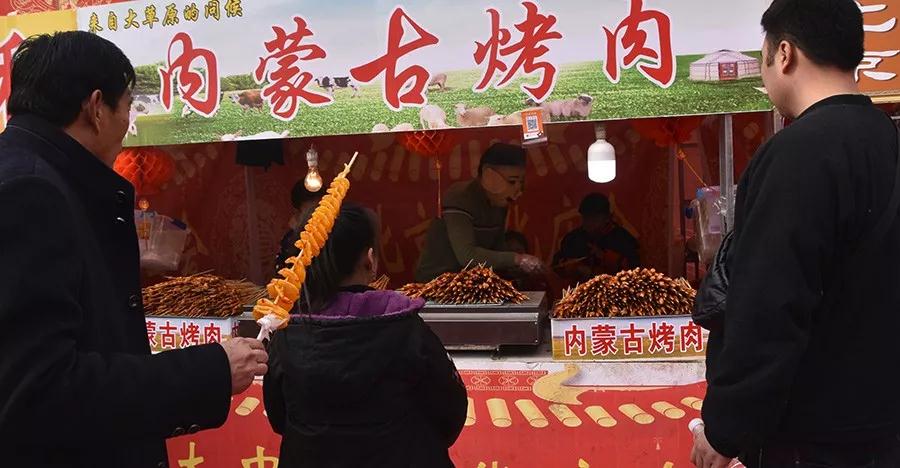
(247,69)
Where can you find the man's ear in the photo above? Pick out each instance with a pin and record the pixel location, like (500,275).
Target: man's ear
(786,57)
(373,261)
(93,109)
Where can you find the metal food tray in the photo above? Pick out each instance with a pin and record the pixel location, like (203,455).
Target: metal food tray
(475,326)
(488,326)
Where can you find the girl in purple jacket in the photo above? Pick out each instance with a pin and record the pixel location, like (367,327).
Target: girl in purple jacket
(358,379)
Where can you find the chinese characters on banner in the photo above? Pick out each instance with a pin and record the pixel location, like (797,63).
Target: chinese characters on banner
(167,333)
(878,71)
(287,82)
(293,62)
(506,54)
(412,81)
(631,36)
(536,29)
(149,16)
(191,83)
(598,432)
(622,338)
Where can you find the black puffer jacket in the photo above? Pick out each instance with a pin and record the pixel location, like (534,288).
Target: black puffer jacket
(364,384)
(709,307)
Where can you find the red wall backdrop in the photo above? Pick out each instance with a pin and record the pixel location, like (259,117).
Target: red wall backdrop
(210,191)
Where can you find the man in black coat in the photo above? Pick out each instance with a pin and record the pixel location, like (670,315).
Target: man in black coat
(803,370)
(78,386)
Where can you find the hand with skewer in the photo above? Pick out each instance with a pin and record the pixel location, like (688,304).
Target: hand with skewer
(529,263)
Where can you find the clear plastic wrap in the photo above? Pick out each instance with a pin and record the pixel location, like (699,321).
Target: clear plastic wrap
(161,239)
(709,221)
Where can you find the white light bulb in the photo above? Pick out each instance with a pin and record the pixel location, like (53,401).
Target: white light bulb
(601,158)
(313,181)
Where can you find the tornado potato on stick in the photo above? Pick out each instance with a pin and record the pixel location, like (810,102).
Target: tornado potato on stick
(273,312)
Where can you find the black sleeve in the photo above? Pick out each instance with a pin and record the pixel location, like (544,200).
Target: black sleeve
(566,248)
(778,263)
(53,390)
(273,398)
(441,390)
(632,250)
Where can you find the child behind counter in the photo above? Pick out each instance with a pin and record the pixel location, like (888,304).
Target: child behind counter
(358,378)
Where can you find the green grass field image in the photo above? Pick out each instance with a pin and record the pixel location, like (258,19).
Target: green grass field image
(634,96)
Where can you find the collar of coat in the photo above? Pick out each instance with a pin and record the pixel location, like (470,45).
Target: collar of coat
(66,155)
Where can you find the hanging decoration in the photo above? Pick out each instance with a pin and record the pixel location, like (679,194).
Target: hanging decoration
(148,169)
(433,144)
(428,143)
(671,132)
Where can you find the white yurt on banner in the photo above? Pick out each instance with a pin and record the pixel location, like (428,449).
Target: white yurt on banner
(725,65)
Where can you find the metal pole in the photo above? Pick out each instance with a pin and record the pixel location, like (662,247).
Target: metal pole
(726,168)
(682,221)
(672,260)
(254,267)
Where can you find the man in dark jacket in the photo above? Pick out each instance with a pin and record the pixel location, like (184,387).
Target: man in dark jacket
(802,372)
(78,386)
(598,246)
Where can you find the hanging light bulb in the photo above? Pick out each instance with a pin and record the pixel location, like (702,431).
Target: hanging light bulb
(313,181)
(601,158)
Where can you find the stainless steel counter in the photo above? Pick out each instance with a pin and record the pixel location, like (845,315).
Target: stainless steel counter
(470,327)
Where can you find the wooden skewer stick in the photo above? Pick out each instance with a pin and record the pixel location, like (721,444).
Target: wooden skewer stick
(349,165)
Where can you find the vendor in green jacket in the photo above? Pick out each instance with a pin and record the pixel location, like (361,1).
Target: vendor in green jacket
(473,225)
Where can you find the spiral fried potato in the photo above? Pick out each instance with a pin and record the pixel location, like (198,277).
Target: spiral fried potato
(284,291)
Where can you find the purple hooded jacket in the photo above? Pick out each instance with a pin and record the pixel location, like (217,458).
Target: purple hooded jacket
(365,373)
(349,305)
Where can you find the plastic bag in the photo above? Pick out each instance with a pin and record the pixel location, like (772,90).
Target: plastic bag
(161,239)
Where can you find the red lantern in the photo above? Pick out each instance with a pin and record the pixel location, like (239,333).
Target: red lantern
(431,144)
(428,143)
(148,169)
(668,132)
(671,132)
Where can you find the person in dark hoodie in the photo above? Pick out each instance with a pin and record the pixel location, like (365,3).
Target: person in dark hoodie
(358,379)
(801,370)
(302,200)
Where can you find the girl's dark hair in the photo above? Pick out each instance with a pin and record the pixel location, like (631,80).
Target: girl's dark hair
(354,233)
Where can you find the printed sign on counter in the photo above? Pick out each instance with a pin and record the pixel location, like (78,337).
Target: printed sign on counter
(167,333)
(628,339)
